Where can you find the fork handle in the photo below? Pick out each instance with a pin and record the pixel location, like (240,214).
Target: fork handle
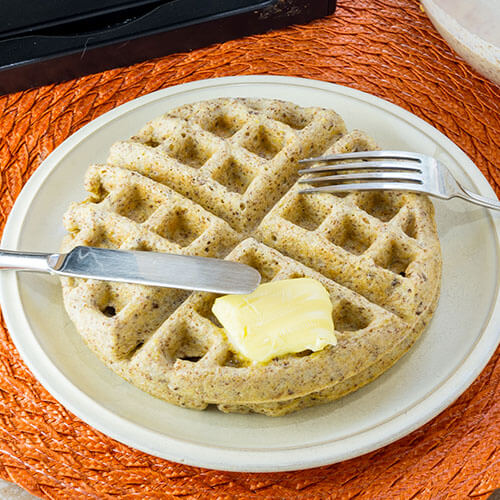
(478,200)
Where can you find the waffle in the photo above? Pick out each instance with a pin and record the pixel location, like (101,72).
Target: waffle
(218,179)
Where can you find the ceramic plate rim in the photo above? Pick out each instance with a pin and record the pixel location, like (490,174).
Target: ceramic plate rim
(180,451)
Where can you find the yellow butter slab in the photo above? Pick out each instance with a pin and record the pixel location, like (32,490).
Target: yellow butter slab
(278,318)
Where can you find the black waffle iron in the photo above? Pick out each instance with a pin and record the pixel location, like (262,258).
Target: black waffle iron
(54,40)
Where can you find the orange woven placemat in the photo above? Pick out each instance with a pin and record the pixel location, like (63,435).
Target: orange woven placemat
(385,47)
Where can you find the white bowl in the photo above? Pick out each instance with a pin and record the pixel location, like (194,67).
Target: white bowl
(471,28)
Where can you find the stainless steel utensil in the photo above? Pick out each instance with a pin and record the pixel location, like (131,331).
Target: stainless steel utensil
(145,268)
(389,170)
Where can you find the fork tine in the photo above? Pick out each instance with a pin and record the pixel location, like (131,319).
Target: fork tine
(392,155)
(381,176)
(367,186)
(363,165)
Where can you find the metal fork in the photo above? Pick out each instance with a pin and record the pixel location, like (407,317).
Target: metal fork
(389,170)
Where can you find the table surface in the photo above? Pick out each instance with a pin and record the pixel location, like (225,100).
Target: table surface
(385,47)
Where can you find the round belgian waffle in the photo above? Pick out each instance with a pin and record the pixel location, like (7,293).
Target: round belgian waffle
(218,179)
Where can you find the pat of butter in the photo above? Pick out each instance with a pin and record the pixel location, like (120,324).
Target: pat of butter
(279,317)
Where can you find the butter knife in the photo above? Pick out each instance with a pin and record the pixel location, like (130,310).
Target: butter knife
(145,268)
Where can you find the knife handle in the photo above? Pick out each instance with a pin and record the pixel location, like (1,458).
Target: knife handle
(27,261)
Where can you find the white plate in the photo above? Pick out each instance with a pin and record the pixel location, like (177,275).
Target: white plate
(443,363)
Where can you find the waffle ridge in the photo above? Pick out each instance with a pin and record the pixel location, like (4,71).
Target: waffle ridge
(218,179)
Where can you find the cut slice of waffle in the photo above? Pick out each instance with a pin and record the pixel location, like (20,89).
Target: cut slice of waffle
(218,179)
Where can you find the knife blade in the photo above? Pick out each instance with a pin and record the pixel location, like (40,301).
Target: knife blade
(145,268)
